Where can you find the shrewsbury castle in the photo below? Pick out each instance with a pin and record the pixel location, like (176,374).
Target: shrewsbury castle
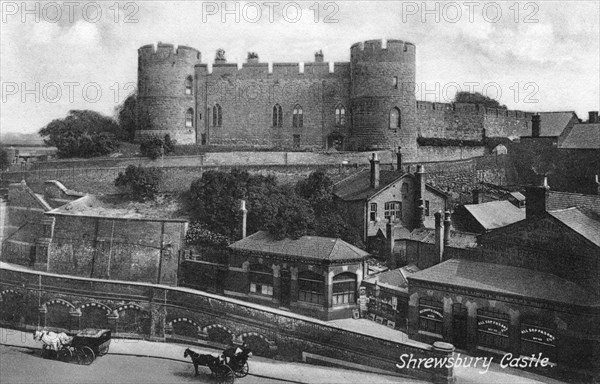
(367,103)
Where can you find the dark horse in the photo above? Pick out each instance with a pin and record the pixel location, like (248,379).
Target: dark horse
(209,361)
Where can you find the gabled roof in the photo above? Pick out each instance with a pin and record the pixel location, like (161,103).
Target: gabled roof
(561,200)
(584,224)
(518,196)
(308,247)
(553,123)
(583,136)
(495,214)
(395,278)
(458,239)
(503,279)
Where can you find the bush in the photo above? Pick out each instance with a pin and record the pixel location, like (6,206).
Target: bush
(155,147)
(140,183)
(198,234)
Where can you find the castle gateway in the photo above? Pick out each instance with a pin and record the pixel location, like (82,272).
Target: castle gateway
(367,103)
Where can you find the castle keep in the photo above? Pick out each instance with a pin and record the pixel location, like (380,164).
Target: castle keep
(367,103)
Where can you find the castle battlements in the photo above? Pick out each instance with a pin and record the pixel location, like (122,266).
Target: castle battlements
(382,50)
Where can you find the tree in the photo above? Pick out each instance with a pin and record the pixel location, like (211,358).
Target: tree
(82,133)
(4,160)
(126,117)
(477,98)
(140,183)
(155,147)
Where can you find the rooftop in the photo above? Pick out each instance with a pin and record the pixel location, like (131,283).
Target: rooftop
(458,239)
(553,123)
(395,278)
(308,247)
(503,279)
(561,200)
(495,214)
(583,136)
(587,224)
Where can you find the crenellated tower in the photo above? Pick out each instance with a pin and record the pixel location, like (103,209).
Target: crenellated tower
(382,98)
(166,92)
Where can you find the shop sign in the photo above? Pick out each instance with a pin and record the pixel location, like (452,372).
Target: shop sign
(492,326)
(538,335)
(431,313)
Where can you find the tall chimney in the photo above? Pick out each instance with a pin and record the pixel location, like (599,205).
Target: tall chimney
(597,185)
(399,159)
(319,56)
(535,125)
(419,196)
(244,218)
(439,237)
(447,224)
(390,241)
(593,117)
(476,196)
(536,197)
(374,171)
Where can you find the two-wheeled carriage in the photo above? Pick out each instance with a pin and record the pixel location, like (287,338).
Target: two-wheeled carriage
(237,359)
(217,365)
(82,347)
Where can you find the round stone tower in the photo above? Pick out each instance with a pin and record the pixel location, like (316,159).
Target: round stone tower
(166,92)
(382,97)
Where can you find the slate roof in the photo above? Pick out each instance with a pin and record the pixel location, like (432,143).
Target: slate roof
(579,221)
(395,278)
(308,247)
(561,200)
(583,136)
(553,123)
(495,214)
(458,239)
(503,279)
(518,196)
(358,186)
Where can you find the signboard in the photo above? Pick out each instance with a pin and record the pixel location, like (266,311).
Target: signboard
(362,299)
(495,327)
(431,313)
(537,335)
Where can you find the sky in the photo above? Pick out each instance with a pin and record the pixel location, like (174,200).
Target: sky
(531,56)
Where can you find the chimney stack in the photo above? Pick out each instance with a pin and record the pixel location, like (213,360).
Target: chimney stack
(419,195)
(447,224)
(536,197)
(476,196)
(439,238)
(399,159)
(319,56)
(244,217)
(535,125)
(593,119)
(597,185)
(374,171)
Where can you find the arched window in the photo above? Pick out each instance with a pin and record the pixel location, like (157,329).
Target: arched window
(189,82)
(392,208)
(217,116)
(395,118)
(538,335)
(344,288)
(277,116)
(297,117)
(261,279)
(310,287)
(431,315)
(340,115)
(492,328)
(189,118)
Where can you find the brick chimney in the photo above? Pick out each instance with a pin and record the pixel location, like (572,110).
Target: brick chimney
(535,125)
(374,171)
(244,217)
(597,179)
(593,117)
(447,225)
(399,159)
(536,197)
(319,56)
(419,196)
(476,196)
(439,237)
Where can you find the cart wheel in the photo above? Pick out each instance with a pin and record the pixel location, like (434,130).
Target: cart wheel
(65,354)
(85,355)
(227,376)
(243,371)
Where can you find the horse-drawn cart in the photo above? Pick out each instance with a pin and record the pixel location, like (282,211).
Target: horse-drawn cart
(82,347)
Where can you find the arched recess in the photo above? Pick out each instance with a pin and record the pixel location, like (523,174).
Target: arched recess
(184,328)
(260,345)
(395,118)
(58,314)
(94,315)
(133,319)
(11,306)
(218,333)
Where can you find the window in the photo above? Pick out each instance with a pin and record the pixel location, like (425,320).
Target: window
(538,336)
(431,315)
(340,115)
(297,117)
(492,328)
(310,287)
(261,280)
(392,208)
(296,142)
(277,116)
(217,116)
(426,207)
(395,82)
(189,118)
(394,118)
(344,288)
(373,212)
(188,85)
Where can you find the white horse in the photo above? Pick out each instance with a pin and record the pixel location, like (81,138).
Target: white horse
(52,340)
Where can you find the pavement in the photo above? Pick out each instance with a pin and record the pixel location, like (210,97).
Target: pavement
(298,372)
